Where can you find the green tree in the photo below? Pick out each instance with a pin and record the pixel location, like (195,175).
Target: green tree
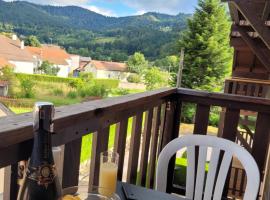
(32,41)
(27,88)
(208,55)
(137,63)
(47,68)
(154,78)
(169,63)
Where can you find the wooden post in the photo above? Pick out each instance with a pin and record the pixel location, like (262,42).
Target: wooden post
(70,173)
(171,131)
(266,184)
(181,66)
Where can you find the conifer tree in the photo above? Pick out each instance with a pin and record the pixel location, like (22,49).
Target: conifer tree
(208,55)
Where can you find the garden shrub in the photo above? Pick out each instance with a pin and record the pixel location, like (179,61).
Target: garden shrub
(134,78)
(214,119)
(27,88)
(107,83)
(93,90)
(98,91)
(86,76)
(76,83)
(188,113)
(83,91)
(72,94)
(120,91)
(58,92)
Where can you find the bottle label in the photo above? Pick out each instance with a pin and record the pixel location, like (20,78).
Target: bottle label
(44,174)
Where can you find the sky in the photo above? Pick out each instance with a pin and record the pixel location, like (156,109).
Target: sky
(118,8)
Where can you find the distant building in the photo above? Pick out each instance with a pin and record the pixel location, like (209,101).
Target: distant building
(57,56)
(13,52)
(104,69)
(3,88)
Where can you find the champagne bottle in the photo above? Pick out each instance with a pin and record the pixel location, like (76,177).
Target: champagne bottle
(41,181)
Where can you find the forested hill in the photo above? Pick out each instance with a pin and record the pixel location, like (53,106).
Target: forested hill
(82,31)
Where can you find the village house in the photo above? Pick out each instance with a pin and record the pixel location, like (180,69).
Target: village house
(14,53)
(104,69)
(57,56)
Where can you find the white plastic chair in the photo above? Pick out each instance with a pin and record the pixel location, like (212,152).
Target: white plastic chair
(217,144)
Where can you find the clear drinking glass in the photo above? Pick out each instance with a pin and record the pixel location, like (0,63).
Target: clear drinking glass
(108,173)
(82,192)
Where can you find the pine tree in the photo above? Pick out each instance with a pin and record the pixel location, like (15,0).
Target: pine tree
(208,55)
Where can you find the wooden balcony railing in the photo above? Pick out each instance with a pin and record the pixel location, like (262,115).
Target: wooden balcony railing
(156,117)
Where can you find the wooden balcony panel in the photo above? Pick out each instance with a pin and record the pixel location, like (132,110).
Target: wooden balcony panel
(72,122)
(162,110)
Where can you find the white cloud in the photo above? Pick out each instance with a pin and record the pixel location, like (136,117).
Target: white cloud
(58,2)
(99,10)
(162,6)
(140,12)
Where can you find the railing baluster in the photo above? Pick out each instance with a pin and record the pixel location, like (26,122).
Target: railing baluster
(234,88)
(14,187)
(99,144)
(201,119)
(266,185)
(153,148)
(145,146)
(261,139)
(231,120)
(71,163)
(161,124)
(200,127)
(171,131)
(229,132)
(120,144)
(134,148)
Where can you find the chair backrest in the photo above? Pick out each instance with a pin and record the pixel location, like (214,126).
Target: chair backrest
(196,189)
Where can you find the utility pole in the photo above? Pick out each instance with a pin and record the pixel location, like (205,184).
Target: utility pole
(180,70)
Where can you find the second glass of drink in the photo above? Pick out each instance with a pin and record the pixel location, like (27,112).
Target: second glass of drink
(108,173)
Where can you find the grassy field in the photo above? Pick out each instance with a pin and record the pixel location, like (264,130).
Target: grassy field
(20,110)
(47,91)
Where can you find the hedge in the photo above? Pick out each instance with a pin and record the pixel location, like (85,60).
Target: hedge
(46,78)
(107,83)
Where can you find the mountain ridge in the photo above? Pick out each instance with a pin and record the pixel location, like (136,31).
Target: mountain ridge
(82,31)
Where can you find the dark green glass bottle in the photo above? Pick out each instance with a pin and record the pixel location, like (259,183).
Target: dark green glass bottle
(41,181)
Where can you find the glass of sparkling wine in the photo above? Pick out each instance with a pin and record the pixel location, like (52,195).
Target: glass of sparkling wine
(108,173)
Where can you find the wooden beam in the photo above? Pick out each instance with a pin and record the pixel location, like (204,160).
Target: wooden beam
(234,13)
(265,59)
(251,14)
(266,10)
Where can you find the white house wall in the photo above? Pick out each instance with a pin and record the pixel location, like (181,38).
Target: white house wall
(107,74)
(63,70)
(23,67)
(75,62)
(91,69)
(112,74)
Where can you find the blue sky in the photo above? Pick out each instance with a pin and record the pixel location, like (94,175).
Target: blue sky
(120,8)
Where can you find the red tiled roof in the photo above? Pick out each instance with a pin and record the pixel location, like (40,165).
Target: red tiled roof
(53,54)
(109,66)
(4,62)
(11,50)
